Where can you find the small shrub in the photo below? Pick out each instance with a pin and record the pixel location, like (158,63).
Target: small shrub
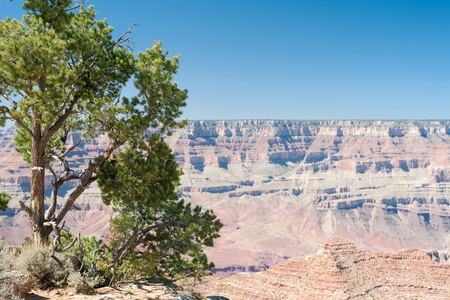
(36,262)
(82,284)
(7,292)
(14,283)
(8,260)
(27,242)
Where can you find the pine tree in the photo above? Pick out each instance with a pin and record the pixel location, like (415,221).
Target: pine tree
(62,71)
(157,233)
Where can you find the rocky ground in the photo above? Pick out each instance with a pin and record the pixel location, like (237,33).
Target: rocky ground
(131,291)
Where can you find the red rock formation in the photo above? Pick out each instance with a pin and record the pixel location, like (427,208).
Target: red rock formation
(341,271)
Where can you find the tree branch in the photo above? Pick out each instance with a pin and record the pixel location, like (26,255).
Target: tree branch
(53,198)
(122,38)
(86,179)
(26,208)
(81,249)
(135,236)
(13,103)
(60,122)
(70,149)
(57,239)
(10,100)
(18,120)
(53,173)
(72,89)
(59,181)
(75,7)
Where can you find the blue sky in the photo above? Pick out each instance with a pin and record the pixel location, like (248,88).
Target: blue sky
(352,59)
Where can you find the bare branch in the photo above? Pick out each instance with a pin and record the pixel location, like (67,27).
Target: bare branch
(57,260)
(21,94)
(68,246)
(53,173)
(64,89)
(81,249)
(18,120)
(53,198)
(122,38)
(75,7)
(26,208)
(93,178)
(70,149)
(86,179)
(10,100)
(68,174)
(57,242)
(76,207)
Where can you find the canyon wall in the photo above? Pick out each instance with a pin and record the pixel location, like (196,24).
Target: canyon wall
(283,188)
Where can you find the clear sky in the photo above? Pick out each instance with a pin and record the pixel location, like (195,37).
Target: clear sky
(336,59)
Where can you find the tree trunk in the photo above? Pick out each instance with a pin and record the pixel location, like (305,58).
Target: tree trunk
(40,232)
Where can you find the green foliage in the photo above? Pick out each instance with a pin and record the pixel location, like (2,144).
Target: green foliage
(137,180)
(89,246)
(4,200)
(173,251)
(157,234)
(22,139)
(61,71)
(134,264)
(181,243)
(77,54)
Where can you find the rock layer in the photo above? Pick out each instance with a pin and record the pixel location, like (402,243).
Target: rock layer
(341,271)
(283,188)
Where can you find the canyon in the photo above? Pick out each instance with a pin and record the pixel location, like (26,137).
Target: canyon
(284,188)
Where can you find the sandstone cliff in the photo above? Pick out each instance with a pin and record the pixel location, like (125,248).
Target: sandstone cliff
(283,188)
(341,271)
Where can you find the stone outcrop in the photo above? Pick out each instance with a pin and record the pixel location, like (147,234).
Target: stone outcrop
(283,188)
(341,271)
